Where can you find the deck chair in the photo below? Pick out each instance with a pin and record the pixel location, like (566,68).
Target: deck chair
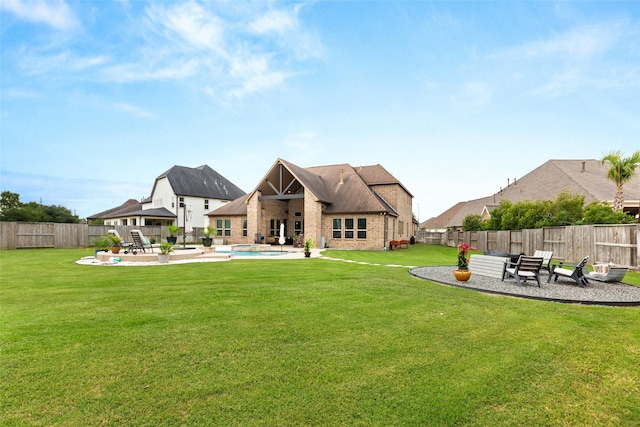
(139,242)
(300,242)
(527,267)
(546,256)
(576,272)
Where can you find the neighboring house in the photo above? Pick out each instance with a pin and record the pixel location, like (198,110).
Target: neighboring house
(587,178)
(180,196)
(339,206)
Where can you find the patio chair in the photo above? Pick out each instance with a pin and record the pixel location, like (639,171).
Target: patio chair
(546,256)
(527,267)
(139,242)
(576,272)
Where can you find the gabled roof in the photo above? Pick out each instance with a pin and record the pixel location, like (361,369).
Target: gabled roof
(378,175)
(582,177)
(128,206)
(200,182)
(341,187)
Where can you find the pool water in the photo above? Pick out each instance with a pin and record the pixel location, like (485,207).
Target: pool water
(254,253)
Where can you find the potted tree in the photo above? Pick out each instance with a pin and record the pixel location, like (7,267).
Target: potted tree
(207,240)
(173,230)
(165,251)
(308,245)
(115,242)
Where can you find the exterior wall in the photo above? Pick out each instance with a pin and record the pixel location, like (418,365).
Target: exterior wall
(313,220)
(254,217)
(402,228)
(375,232)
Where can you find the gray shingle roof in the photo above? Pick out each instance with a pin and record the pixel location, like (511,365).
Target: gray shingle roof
(582,177)
(201,182)
(128,206)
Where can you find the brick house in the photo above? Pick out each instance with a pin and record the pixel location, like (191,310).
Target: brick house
(339,206)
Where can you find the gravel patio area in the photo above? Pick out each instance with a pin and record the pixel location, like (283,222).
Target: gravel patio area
(565,291)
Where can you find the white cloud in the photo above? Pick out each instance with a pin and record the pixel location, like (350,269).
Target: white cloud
(577,43)
(55,13)
(278,21)
(132,110)
(198,27)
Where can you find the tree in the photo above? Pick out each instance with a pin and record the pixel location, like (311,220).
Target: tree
(9,200)
(621,171)
(602,213)
(472,222)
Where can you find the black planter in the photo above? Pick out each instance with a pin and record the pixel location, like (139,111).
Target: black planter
(207,241)
(172,239)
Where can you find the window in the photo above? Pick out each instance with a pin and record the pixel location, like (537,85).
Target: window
(401,227)
(297,227)
(223,227)
(244,227)
(182,202)
(337,228)
(206,204)
(362,228)
(348,228)
(274,227)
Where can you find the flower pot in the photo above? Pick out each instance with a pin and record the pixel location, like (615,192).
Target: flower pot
(307,254)
(207,241)
(163,258)
(462,275)
(172,239)
(115,249)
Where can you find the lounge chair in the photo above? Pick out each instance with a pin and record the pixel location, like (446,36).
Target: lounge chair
(139,242)
(546,256)
(576,272)
(527,267)
(613,274)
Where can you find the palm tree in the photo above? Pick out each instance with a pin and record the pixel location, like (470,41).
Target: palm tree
(621,171)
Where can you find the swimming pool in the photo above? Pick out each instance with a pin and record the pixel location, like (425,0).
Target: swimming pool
(253,253)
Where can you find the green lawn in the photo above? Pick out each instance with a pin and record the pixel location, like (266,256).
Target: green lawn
(301,342)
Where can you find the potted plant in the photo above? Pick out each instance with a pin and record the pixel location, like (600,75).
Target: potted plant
(207,240)
(462,274)
(115,242)
(173,230)
(308,245)
(165,250)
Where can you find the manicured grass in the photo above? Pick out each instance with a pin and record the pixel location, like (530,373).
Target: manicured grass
(301,342)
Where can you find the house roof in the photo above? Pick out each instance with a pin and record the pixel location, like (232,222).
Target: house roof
(546,182)
(156,213)
(237,207)
(200,182)
(128,206)
(341,187)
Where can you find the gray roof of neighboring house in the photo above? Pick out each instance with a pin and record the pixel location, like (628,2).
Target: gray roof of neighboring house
(546,182)
(341,187)
(155,212)
(128,206)
(200,182)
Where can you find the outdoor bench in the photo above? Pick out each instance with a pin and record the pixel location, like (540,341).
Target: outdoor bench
(488,265)
(399,244)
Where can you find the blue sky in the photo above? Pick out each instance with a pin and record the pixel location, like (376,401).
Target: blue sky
(453,98)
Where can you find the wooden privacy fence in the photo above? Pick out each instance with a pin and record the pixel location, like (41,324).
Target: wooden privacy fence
(602,243)
(24,235)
